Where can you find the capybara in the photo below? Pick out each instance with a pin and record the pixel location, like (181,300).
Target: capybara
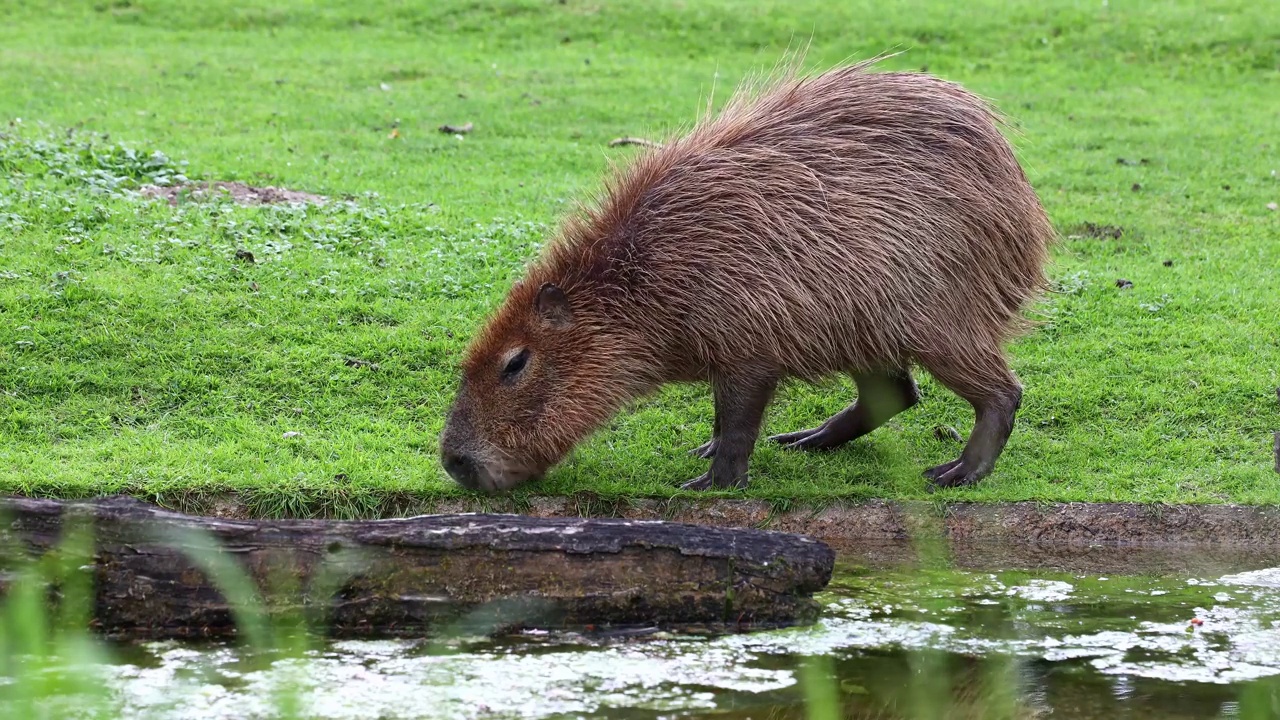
(852,222)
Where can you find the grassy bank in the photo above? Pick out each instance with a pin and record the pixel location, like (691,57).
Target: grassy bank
(138,353)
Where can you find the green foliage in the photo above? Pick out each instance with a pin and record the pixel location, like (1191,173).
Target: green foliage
(139,353)
(47,656)
(1259,700)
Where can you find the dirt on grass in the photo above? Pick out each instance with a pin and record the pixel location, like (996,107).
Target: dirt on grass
(1097,231)
(238,192)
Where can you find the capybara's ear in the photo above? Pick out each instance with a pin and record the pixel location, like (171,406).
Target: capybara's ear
(553,305)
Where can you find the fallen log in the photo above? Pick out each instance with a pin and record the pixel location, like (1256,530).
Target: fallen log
(404,577)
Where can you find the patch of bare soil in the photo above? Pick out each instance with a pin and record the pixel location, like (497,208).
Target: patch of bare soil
(238,192)
(1097,231)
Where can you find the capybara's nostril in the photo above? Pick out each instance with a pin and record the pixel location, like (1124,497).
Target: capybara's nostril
(460,468)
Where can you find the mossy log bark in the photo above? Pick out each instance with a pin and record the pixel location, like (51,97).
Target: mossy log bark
(156,572)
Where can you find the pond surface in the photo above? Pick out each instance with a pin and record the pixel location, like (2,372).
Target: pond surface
(895,641)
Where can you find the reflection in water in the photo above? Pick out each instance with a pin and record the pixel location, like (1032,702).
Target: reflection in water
(899,642)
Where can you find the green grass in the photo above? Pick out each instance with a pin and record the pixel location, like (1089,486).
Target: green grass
(136,354)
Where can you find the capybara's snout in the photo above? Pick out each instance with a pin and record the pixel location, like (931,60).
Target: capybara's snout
(476,464)
(461,467)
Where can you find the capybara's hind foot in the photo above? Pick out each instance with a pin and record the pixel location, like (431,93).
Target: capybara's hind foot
(706,450)
(881,395)
(956,473)
(819,438)
(706,481)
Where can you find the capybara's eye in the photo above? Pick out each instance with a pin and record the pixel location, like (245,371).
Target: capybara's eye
(515,364)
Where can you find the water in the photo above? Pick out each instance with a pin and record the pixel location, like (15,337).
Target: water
(897,640)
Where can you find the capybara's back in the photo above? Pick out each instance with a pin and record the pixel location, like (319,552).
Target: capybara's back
(853,222)
(840,223)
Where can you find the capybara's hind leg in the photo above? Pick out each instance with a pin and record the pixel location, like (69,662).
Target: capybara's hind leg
(986,382)
(740,403)
(881,395)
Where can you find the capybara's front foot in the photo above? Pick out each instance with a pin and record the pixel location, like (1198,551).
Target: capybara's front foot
(956,473)
(713,481)
(706,450)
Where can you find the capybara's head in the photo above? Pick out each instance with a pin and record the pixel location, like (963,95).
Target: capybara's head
(535,381)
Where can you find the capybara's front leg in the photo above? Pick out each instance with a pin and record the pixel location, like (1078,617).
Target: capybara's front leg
(740,403)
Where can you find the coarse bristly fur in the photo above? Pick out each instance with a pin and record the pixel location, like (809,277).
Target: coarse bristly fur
(852,221)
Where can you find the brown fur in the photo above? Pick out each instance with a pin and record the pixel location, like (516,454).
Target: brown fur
(849,222)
